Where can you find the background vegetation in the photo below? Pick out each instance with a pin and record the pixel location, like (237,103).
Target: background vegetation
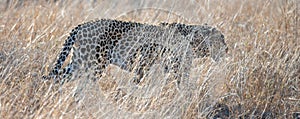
(258,78)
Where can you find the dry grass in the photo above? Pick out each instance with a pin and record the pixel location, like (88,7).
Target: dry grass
(261,73)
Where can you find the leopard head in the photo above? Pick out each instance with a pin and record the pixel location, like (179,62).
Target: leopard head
(208,41)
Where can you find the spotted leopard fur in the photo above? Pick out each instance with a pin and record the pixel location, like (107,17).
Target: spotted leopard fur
(99,43)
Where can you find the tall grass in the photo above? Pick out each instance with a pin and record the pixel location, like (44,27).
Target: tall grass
(259,77)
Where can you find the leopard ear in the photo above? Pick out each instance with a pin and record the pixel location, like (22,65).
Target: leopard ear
(196,36)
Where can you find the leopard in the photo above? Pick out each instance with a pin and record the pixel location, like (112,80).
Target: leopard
(135,47)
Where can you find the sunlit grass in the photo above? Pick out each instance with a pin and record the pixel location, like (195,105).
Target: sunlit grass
(260,74)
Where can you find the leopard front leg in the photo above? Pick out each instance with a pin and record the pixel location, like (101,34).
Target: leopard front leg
(178,68)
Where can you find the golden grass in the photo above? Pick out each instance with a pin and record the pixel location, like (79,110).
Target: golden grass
(260,74)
